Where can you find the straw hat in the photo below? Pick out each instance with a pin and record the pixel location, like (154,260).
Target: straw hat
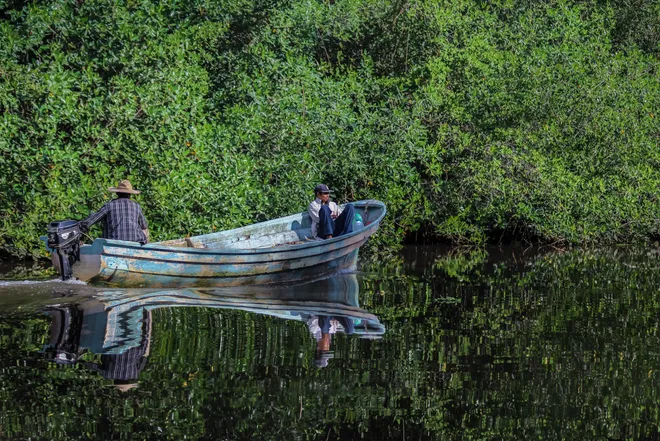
(125,387)
(124,186)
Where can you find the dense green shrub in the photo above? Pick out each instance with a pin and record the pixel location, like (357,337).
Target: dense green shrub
(471,120)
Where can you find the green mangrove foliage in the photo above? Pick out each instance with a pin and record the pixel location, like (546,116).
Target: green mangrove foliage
(472,120)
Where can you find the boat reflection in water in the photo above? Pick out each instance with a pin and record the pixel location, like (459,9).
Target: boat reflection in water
(117,324)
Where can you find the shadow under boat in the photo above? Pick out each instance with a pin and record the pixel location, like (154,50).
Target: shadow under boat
(117,323)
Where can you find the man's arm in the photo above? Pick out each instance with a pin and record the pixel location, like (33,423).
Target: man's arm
(313,212)
(94,218)
(142,222)
(337,210)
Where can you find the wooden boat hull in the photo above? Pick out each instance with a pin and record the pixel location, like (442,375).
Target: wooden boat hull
(128,264)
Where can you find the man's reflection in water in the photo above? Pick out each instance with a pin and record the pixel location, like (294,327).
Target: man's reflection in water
(76,329)
(322,328)
(124,368)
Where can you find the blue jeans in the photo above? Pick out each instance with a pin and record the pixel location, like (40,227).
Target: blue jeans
(337,227)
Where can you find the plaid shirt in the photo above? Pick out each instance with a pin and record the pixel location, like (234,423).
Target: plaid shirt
(123,220)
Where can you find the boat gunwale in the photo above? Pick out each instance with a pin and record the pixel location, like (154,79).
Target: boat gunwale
(250,251)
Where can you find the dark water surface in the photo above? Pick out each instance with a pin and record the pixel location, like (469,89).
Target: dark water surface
(431,344)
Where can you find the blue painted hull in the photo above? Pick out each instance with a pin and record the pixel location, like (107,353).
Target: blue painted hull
(128,264)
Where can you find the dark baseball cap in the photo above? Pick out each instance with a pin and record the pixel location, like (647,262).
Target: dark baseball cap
(321,188)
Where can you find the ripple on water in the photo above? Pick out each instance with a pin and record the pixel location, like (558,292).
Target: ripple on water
(9,283)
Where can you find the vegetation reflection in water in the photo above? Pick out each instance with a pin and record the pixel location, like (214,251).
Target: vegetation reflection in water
(560,345)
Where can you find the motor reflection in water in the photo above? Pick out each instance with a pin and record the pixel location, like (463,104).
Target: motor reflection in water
(117,324)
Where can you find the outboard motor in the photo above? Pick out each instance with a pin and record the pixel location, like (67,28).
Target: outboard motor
(65,332)
(64,237)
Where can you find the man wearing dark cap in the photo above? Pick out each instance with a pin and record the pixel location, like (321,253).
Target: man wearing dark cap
(327,325)
(123,217)
(328,220)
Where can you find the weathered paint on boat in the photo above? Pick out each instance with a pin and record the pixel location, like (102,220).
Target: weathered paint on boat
(244,256)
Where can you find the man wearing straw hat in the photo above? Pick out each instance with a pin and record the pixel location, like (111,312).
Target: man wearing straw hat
(123,217)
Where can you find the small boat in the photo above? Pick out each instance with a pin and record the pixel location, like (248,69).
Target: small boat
(273,252)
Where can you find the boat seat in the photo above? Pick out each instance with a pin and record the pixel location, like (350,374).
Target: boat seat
(191,244)
(263,241)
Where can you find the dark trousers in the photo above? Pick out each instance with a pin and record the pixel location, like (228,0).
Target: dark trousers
(345,322)
(342,225)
